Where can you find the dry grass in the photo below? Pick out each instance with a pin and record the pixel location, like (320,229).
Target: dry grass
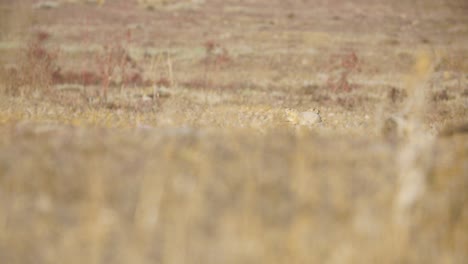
(184,195)
(215,155)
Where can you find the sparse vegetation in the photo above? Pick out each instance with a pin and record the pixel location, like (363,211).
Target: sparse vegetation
(341,67)
(233,132)
(35,69)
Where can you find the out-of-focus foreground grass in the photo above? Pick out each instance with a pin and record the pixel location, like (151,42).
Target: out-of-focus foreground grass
(76,195)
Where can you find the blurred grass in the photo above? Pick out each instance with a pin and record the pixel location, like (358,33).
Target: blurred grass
(187,196)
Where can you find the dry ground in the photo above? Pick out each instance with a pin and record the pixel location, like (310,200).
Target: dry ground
(191,158)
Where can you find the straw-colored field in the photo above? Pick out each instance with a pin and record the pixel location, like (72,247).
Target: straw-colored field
(233,131)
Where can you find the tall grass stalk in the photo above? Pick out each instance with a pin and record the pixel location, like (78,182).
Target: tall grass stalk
(415,154)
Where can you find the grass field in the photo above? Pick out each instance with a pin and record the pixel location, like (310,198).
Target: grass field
(233,131)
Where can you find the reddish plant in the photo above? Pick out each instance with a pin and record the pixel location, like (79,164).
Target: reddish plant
(342,66)
(42,36)
(216,57)
(135,78)
(115,59)
(106,65)
(197,83)
(210,46)
(36,68)
(85,77)
(110,59)
(216,54)
(163,82)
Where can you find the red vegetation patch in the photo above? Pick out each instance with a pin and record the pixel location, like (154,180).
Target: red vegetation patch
(216,54)
(72,77)
(341,67)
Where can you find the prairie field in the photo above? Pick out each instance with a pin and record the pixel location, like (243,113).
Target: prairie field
(233,131)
